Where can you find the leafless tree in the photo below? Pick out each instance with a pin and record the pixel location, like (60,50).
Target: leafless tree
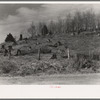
(32,29)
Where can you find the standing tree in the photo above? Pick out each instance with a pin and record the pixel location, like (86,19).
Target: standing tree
(51,27)
(89,21)
(68,23)
(59,26)
(78,22)
(98,22)
(73,26)
(39,28)
(32,29)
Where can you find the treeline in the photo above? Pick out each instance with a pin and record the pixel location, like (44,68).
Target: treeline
(73,23)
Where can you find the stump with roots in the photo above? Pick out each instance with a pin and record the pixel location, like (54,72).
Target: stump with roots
(18,52)
(54,56)
(9,50)
(5,52)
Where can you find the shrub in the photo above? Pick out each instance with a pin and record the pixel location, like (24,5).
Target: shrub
(96,57)
(82,63)
(7,67)
(33,68)
(69,66)
(10,38)
(34,50)
(45,50)
(26,70)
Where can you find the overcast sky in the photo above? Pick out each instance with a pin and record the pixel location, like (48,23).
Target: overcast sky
(16,17)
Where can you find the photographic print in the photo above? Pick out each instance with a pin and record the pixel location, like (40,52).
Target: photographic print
(50,44)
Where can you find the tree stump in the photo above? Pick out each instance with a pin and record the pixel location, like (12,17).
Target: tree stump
(10,50)
(54,56)
(5,52)
(39,53)
(18,52)
(68,53)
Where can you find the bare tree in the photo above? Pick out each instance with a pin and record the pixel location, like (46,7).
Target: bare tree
(89,20)
(98,22)
(39,28)
(68,24)
(32,29)
(59,26)
(52,26)
(78,22)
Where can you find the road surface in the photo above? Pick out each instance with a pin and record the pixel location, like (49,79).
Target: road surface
(63,79)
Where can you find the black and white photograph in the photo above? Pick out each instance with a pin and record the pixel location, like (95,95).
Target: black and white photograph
(50,44)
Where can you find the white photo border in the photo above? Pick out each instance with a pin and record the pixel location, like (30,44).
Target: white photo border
(45,91)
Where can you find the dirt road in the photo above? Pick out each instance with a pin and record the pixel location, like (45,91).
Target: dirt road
(64,79)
